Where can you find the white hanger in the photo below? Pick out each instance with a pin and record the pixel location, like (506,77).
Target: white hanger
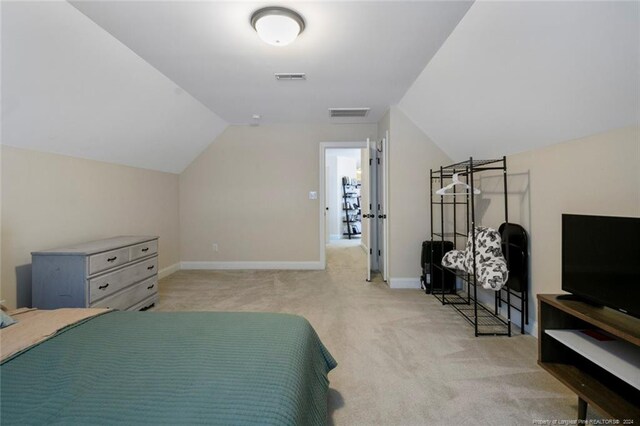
(456,181)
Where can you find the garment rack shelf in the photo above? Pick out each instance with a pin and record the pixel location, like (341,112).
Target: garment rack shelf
(485,320)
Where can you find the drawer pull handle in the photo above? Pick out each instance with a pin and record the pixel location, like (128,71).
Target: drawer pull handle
(102,287)
(146,249)
(151,267)
(111,259)
(151,286)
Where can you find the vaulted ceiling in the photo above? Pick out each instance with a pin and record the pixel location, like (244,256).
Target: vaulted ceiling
(514,76)
(152,83)
(69,87)
(355,54)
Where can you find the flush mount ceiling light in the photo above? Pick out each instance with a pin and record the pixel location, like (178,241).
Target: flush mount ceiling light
(277,26)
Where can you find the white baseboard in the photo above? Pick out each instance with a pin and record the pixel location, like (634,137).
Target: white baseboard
(251,265)
(404,283)
(165,272)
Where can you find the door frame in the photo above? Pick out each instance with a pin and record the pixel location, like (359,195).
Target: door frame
(322,190)
(385,197)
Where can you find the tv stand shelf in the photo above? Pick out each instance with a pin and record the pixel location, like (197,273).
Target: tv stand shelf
(585,374)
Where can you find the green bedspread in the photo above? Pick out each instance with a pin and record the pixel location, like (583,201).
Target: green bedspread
(172,368)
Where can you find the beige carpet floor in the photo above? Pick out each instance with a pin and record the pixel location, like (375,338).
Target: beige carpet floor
(404,359)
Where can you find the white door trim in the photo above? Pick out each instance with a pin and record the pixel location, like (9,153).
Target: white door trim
(385,183)
(321,185)
(367,210)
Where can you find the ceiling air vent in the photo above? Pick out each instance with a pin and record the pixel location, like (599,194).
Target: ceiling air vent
(290,76)
(348,112)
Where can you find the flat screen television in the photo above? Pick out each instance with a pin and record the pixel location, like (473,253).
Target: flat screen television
(601,260)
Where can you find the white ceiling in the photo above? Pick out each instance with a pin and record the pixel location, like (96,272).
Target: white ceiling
(69,87)
(355,54)
(514,76)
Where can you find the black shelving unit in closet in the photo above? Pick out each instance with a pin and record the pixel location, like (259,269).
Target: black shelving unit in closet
(351,208)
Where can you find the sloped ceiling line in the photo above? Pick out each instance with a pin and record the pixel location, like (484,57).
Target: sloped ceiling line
(515,76)
(69,87)
(355,54)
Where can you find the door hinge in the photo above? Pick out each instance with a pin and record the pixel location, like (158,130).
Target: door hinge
(379,254)
(378,160)
(370,251)
(370,160)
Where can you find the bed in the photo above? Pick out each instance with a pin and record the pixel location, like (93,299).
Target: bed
(109,367)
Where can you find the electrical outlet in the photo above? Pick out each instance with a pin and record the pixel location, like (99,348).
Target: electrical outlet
(214,246)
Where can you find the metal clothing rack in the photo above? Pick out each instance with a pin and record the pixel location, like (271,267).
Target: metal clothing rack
(522,296)
(485,321)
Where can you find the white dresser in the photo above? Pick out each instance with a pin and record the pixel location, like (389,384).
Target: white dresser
(118,273)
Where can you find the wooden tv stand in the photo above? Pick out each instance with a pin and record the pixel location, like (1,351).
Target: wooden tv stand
(612,396)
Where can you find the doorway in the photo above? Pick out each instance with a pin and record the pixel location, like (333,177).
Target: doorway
(353,203)
(379,175)
(343,189)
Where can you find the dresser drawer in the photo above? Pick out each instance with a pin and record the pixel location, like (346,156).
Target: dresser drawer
(129,296)
(107,260)
(107,284)
(143,250)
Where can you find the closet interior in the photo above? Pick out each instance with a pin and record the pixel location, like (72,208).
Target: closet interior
(351,208)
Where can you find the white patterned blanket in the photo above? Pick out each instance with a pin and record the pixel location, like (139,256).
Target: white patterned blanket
(492,266)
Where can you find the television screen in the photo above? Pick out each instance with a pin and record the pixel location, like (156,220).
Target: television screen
(601,260)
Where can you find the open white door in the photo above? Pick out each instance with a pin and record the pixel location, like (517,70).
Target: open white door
(366,205)
(385,196)
(382,231)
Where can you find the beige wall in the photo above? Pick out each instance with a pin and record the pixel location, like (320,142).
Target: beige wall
(411,155)
(597,175)
(594,175)
(50,200)
(248,192)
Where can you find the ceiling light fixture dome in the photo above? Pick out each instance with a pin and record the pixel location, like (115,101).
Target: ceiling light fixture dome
(277,26)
